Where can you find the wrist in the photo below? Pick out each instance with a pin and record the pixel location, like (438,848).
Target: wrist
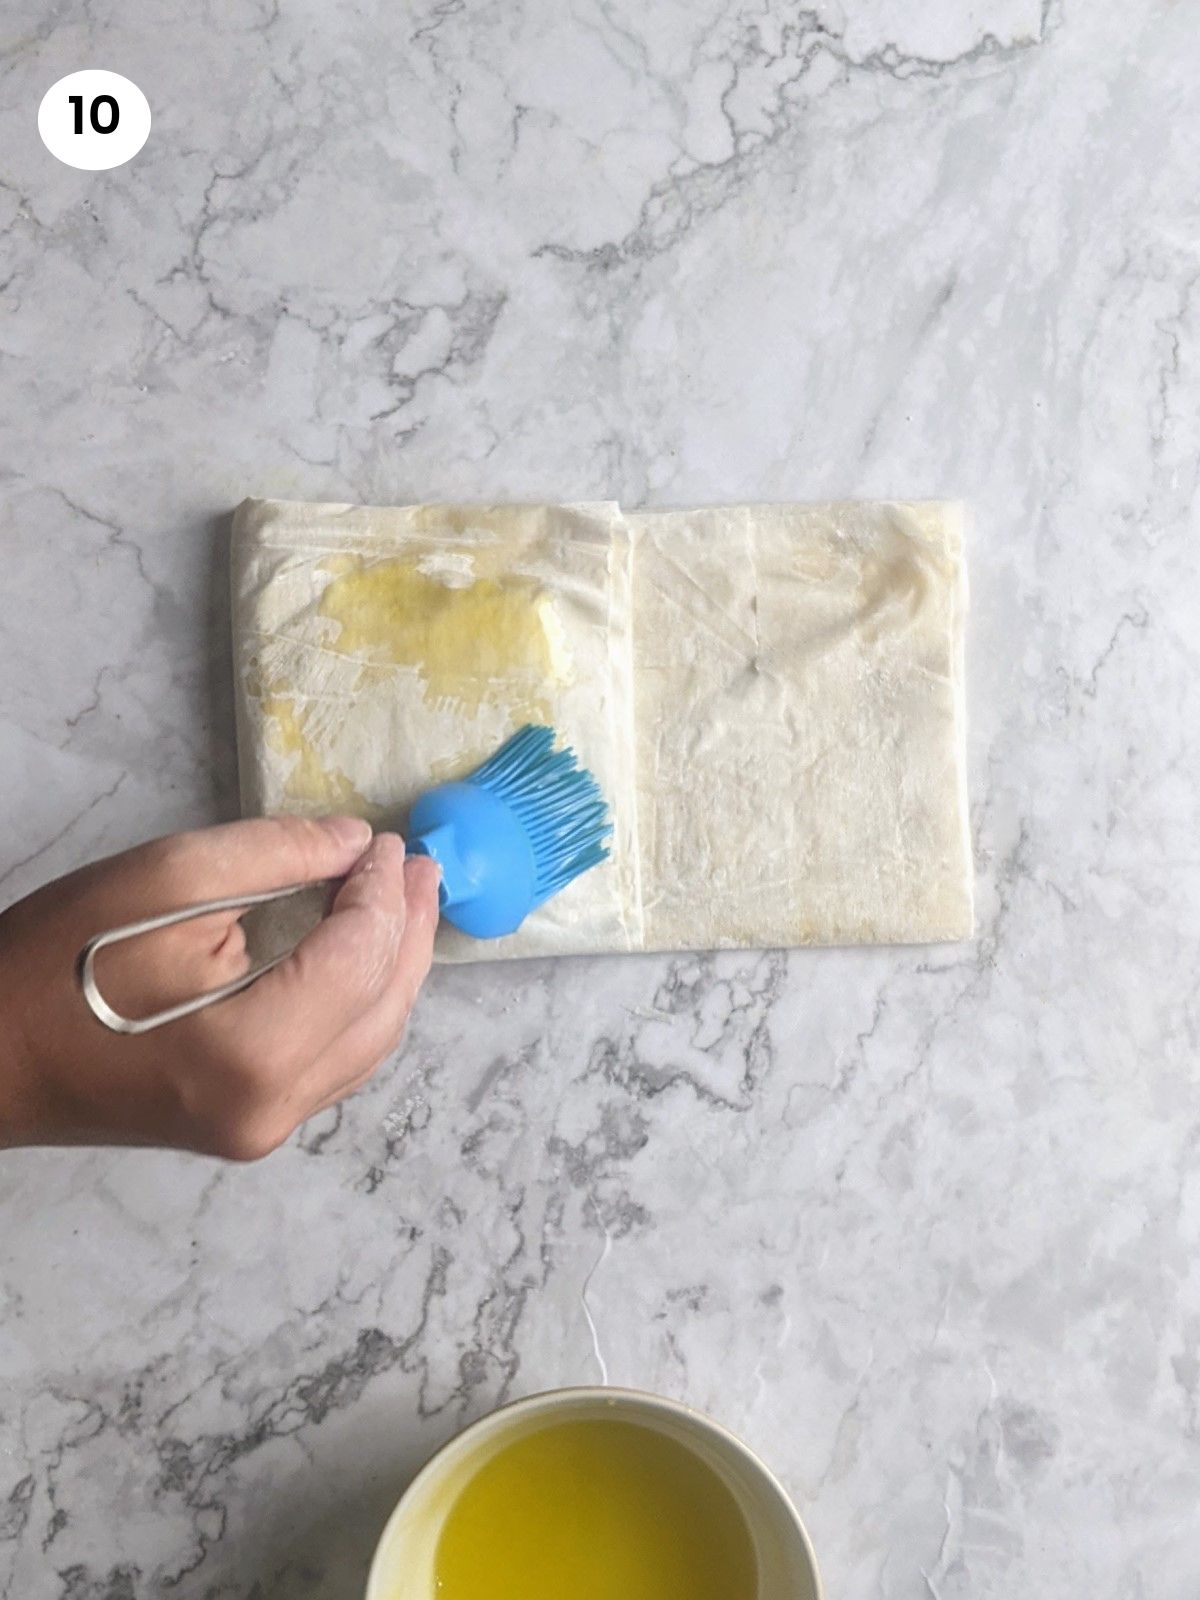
(18,1093)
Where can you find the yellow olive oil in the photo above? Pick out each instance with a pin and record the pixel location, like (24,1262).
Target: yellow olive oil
(595,1510)
(462,641)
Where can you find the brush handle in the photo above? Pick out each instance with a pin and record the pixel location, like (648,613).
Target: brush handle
(115,1021)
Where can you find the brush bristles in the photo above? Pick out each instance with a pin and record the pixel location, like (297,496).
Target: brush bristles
(558,802)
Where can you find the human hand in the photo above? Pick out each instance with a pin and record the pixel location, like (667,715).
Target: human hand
(233,1080)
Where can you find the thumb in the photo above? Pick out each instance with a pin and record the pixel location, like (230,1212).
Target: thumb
(338,970)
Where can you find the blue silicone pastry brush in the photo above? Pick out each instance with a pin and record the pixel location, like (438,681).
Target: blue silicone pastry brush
(517,830)
(507,837)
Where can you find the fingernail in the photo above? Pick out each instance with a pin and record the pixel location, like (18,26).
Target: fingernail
(352,832)
(383,850)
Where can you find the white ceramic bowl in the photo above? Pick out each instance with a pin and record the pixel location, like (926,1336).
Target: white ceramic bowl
(403,1568)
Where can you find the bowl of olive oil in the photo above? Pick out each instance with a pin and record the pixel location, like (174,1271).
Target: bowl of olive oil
(594,1494)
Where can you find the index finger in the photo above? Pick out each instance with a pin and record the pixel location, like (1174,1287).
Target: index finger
(219,863)
(265,853)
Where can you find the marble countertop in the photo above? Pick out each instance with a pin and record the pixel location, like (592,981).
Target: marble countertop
(922,1225)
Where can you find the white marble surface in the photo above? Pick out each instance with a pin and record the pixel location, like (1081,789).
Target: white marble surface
(922,1225)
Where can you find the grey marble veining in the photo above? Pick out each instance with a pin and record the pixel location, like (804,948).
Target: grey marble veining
(922,1225)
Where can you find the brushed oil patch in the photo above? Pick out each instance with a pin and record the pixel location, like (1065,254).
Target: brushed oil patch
(310,783)
(494,640)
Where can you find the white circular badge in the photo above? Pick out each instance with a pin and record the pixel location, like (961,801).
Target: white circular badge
(94,119)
